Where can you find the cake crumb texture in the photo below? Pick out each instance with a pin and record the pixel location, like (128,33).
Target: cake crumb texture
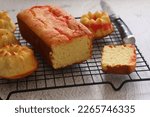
(119,59)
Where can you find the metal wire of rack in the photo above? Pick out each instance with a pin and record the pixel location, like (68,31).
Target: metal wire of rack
(86,73)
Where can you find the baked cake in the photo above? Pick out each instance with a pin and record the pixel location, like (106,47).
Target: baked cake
(119,59)
(7,38)
(60,39)
(6,22)
(16,62)
(99,23)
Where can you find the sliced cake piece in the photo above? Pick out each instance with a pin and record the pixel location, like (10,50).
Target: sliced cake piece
(119,59)
(60,39)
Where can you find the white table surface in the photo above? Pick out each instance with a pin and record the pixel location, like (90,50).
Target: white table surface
(136,15)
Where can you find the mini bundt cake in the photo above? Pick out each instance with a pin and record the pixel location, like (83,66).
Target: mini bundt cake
(119,59)
(16,62)
(7,38)
(6,22)
(99,24)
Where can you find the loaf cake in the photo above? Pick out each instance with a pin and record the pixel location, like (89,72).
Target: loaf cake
(60,39)
(99,23)
(6,22)
(16,62)
(119,59)
(7,38)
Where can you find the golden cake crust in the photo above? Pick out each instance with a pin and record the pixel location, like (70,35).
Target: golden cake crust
(16,62)
(7,38)
(123,59)
(6,22)
(99,23)
(57,26)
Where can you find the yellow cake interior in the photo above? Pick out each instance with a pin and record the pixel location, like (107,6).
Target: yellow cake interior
(75,51)
(118,55)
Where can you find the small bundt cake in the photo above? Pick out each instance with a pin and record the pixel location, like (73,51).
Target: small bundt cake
(119,59)
(99,24)
(16,62)
(7,38)
(6,22)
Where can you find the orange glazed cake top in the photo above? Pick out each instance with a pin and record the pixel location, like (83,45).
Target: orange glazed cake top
(52,24)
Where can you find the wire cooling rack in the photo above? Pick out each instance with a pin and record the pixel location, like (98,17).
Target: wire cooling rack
(86,73)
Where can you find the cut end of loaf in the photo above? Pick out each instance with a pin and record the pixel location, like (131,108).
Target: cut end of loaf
(66,54)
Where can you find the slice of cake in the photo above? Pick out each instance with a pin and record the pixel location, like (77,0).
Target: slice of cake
(99,24)
(60,39)
(119,59)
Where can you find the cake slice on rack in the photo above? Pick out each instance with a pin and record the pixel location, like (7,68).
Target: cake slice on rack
(119,59)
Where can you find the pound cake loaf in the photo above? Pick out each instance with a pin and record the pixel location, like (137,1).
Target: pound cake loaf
(119,59)
(60,39)
(99,23)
